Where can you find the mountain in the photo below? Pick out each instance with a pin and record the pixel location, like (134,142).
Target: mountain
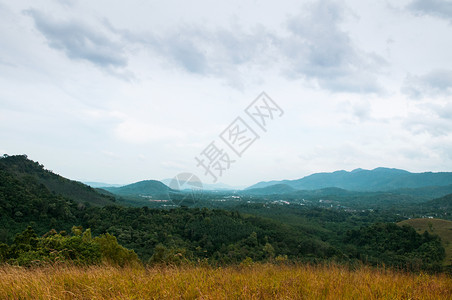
(101,184)
(429,192)
(29,173)
(210,186)
(141,188)
(330,191)
(270,190)
(379,179)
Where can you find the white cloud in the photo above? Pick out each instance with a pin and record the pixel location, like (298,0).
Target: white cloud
(323,51)
(135,131)
(434,83)
(436,8)
(81,42)
(311,49)
(191,68)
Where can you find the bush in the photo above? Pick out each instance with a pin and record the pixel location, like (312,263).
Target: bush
(113,253)
(168,256)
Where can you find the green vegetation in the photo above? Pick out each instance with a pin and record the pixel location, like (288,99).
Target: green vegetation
(442,228)
(79,248)
(217,230)
(398,246)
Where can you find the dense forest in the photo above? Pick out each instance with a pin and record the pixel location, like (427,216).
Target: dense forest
(42,223)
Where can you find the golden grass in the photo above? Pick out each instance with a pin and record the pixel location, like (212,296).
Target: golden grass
(260,281)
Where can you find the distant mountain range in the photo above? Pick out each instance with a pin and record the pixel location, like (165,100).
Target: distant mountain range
(379,179)
(210,186)
(25,180)
(426,185)
(273,189)
(101,184)
(167,182)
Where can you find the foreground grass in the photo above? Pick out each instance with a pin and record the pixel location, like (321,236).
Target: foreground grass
(256,282)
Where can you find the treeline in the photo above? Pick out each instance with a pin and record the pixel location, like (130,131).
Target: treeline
(379,244)
(397,246)
(217,237)
(78,248)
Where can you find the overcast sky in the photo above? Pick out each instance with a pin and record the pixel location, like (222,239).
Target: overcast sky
(121,91)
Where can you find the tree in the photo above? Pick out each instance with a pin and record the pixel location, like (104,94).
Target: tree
(113,253)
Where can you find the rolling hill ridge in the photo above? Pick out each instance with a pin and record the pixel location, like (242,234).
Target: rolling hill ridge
(379,179)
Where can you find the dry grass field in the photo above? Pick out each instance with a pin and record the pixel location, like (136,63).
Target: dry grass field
(259,281)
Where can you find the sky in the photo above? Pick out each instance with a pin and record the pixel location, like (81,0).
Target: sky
(122,91)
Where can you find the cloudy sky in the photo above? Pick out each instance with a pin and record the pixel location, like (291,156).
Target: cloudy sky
(121,91)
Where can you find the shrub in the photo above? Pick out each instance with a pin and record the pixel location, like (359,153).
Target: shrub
(113,253)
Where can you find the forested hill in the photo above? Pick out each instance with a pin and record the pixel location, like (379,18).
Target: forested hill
(30,175)
(443,202)
(379,179)
(270,190)
(143,188)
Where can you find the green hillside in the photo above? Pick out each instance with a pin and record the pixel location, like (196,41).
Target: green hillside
(442,228)
(28,172)
(429,192)
(444,203)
